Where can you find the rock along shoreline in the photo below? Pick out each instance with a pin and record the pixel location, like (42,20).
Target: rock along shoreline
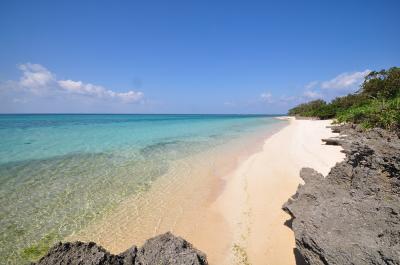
(352,216)
(163,249)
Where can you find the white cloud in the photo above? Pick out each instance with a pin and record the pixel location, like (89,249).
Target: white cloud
(78,87)
(345,80)
(312,94)
(38,81)
(337,86)
(35,77)
(130,96)
(73,86)
(267,97)
(312,84)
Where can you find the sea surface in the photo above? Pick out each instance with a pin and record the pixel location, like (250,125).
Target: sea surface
(61,173)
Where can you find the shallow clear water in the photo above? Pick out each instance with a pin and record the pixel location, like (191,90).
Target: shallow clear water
(58,173)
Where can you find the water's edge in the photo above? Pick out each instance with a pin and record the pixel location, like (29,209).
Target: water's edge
(60,175)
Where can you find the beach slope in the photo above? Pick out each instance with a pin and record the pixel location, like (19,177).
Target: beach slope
(255,192)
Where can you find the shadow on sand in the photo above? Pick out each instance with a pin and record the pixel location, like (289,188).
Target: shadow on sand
(297,255)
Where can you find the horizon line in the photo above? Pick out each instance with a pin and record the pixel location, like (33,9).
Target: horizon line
(101,113)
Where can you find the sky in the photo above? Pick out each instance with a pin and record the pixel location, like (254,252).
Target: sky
(232,56)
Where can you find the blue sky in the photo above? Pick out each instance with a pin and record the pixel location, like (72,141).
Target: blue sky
(189,56)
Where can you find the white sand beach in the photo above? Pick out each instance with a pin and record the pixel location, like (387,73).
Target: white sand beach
(234,220)
(252,199)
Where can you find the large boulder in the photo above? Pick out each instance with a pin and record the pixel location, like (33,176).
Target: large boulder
(168,249)
(164,249)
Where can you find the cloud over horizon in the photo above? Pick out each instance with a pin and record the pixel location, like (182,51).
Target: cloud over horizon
(267,97)
(327,90)
(39,89)
(35,76)
(37,82)
(309,94)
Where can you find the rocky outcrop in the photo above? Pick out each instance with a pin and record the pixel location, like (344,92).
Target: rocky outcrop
(164,249)
(352,216)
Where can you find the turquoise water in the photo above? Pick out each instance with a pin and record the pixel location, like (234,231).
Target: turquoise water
(60,172)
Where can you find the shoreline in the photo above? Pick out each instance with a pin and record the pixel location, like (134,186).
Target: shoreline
(323,213)
(236,217)
(255,192)
(181,202)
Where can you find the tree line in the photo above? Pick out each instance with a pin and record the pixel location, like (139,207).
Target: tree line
(375,104)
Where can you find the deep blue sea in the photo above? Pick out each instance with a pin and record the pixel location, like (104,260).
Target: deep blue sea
(60,172)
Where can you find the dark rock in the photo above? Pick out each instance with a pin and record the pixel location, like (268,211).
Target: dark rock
(352,216)
(168,249)
(335,129)
(79,253)
(331,141)
(164,249)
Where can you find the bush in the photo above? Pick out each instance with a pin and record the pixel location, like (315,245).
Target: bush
(310,109)
(377,113)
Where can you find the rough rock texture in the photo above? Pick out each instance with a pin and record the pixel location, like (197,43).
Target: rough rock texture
(164,249)
(169,250)
(352,216)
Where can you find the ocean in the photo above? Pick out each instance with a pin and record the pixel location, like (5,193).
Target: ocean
(60,174)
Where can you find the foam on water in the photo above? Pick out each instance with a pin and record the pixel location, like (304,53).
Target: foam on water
(61,173)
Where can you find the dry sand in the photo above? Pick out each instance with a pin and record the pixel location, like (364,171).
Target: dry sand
(252,199)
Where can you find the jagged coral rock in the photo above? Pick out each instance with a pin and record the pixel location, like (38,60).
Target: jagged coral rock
(164,249)
(353,215)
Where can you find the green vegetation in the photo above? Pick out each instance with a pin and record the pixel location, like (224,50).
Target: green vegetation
(34,252)
(376,104)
